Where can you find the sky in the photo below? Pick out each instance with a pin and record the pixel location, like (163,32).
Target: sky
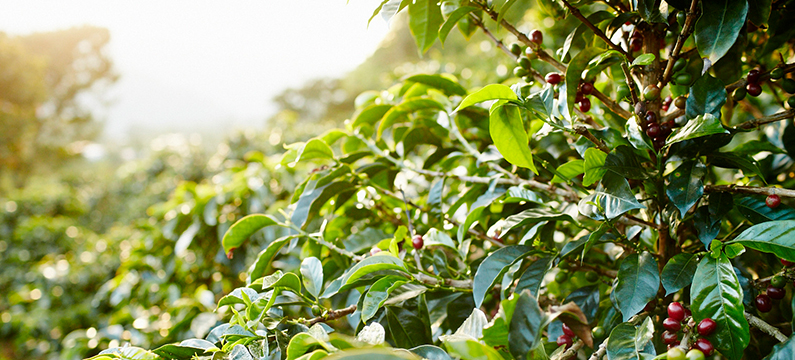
(189,65)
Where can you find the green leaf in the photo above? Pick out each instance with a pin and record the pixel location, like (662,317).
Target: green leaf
(708,218)
(707,96)
(312,274)
(716,294)
(613,195)
(754,209)
(678,272)
(638,281)
(402,110)
(645,59)
(184,350)
(129,353)
(476,209)
(245,227)
(377,262)
(733,250)
(702,125)
(685,186)
(736,161)
(453,19)
(425,19)
(783,351)
(373,354)
(409,327)
(776,237)
(377,295)
(593,166)
(434,237)
(493,267)
(489,92)
(574,73)
(756,146)
(533,276)
(430,352)
(718,27)
(301,343)
(264,259)
(649,10)
(471,350)
(441,82)
(630,342)
(529,217)
(570,170)
(370,114)
(526,325)
(313,198)
(509,136)
(636,136)
(623,161)
(759,12)
(314,149)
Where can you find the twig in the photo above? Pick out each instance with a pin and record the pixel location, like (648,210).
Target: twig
(612,105)
(750,190)
(642,222)
(672,115)
(765,327)
(432,281)
(598,354)
(576,12)
(332,315)
(755,123)
(570,352)
(633,91)
(690,20)
(583,131)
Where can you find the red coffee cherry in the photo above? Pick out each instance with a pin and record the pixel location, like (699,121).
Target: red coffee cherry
(553,78)
(565,340)
(585,105)
(785,262)
(653,131)
(772,201)
(586,88)
(753,89)
(706,327)
(417,242)
(676,311)
(776,293)
(763,303)
(704,345)
(671,324)
(537,36)
(567,330)
(753,76)
(669,337)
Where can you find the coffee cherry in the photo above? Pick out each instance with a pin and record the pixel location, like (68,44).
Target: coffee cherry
(640,108)
(520,71)
(683,79)
(585,105)
(753,89)
(763,303)
(666,127)
(524,62)
(680,64)
(681,17)
(791,102)
(664,108)
(567,330)
(591,276)
(704,345)
(776,293)
(739,94)
(316,310)
(622,91)
(706,327)
(773,201)
(676,311)
(537,36)
(586,88)
(417,242)
(561,277)
(651,92)
(668,100)
(516,49)
(636,44)
(680,102)
(676,353)
(788,85)
(786,263)
(669,337)
(598,332)
(779,281)
(653,130)
(528,51)
(672,324)
(687,313)
(553,78)
(777,73)
(753,76)
(564,340)
(695,354)
(651,117)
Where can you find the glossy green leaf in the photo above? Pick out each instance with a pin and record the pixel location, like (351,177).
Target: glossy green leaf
(736,161)
(716,294)
(569,170)
(371,114)
(533,276)
(301,343)
(430,352)
(373,354)
(783,351)
(701,125)
(129,353)
(312,275)
(435,237)
(707,219)
(453,19)
(587,299)
(754,209)
(593,166)
(529,217)
(315,149)
(718,27)
(755,146)
(402,111)
(314,355)
(685,186)
(638,281)
(377,262)
(526,326)
(574,73)
(776,237)
(644,59)
(613,195)
(678,272)
(476,209)
(636,136)
(759,12)
(245,227)
(630,342)
(707,96)
(509,136)
(264,259)
(493,267)
(471,350)
(623,161)
(425,19)
(184,350)
(313,198)
(441,82)
(489,92)
(377,295)
(409,327)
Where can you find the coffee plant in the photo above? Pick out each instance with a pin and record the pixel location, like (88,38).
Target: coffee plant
(625,194)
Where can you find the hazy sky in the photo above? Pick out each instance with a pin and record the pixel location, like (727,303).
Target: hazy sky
(190,64)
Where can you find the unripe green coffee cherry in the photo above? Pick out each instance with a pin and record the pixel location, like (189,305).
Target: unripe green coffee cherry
(777,73)
(739,94)
(520,71)
(651,92)
(681,17)
(591,276)
(680,64)
(524,62)
(683,79)
(516,49)
(317,310)
(598,332)
(622,91)
(680,102)
(561,277)
(789,86)
(791,102)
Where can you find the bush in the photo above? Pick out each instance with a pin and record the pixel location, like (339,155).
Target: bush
(607,200)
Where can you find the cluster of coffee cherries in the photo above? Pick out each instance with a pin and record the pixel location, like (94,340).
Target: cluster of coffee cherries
(677,314)
(754,86)
(635,40)
(585,89)
(657,132)
(681,77)
(567,338)
(775,291)
(523,64)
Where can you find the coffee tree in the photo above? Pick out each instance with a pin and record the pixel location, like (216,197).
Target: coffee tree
(623,195)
